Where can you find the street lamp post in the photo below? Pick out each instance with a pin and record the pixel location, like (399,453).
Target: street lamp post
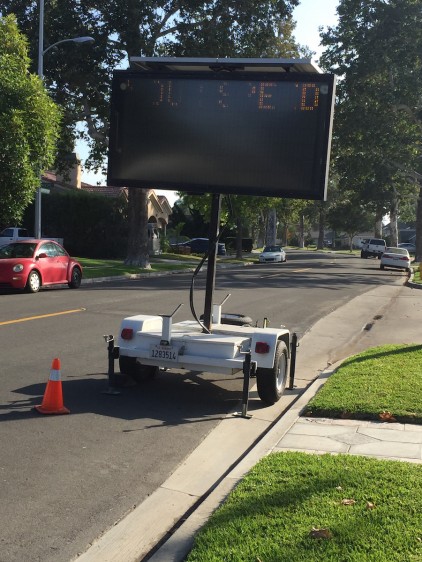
(41,53)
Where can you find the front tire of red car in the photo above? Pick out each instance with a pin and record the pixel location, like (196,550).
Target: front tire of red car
(33,283)
(76,278)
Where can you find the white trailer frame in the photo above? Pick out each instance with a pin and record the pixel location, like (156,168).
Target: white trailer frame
(148,343)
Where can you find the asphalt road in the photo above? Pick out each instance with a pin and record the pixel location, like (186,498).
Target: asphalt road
(66,479)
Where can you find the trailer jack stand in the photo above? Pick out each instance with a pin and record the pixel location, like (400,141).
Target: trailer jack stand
(113,353)
(293,348)
(248,368)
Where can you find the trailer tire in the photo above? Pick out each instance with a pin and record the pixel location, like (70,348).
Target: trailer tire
(271,382)
(233,319)
(138,372)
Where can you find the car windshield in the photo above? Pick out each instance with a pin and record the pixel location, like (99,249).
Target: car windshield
(17,250)
(272,249)
(396,251)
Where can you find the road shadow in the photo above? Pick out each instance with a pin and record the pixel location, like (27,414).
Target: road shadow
(183,397)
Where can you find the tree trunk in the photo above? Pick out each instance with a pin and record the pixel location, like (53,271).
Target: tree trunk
(418,254)
(378,225)
(321,231)
(270,239)
(260,237)
(239,233)
(137,252)
(393,222)
(285,234)
(302,232)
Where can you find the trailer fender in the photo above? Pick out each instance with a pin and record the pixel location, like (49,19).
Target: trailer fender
(265,359)
(132,325)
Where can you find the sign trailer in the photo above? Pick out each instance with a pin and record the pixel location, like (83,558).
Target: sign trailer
(219,126)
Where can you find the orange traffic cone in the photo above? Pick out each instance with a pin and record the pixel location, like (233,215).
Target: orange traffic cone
(52,402)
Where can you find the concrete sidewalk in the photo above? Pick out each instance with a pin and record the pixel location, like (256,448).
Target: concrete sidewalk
(387,314)
(392,441)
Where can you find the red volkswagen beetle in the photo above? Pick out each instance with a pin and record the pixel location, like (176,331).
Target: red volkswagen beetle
(32,264)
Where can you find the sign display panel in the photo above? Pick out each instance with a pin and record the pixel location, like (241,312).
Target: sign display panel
(243,133)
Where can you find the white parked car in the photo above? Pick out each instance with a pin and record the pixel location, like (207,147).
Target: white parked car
(395,257)
(272,254)
(373,247)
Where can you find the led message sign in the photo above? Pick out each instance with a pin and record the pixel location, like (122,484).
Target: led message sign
(244,133)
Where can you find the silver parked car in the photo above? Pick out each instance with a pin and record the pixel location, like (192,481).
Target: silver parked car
(411,248)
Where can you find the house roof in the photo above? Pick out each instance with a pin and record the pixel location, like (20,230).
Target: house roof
(105,190)
(159,202)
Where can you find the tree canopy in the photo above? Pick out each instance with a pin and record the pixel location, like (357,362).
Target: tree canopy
(79,77)
(29,125)
(81,84)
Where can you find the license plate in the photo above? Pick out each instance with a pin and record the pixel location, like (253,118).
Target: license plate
(167,352)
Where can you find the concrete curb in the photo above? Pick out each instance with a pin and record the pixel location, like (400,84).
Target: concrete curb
(413,285)
(176,548)
(410,283)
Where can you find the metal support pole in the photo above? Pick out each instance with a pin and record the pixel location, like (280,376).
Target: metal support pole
(112,355)
(246,379)
(212,258)
(37,223)
(293,346)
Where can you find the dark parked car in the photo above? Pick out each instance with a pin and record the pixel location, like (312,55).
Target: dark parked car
(32,264)
(411,248)
(200,246)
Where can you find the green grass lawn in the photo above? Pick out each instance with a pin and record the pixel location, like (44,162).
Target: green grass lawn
(93,268)
(295,507)
(416,273)
(378,382)
(298,507)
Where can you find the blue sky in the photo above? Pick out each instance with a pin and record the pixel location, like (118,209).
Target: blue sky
(309,16)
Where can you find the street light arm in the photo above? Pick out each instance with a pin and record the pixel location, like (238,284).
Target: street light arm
(73,40)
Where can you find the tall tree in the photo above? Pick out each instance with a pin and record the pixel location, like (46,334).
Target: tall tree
(29,125)
(376,49)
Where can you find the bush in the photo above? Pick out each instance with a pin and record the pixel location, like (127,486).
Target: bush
(90,225)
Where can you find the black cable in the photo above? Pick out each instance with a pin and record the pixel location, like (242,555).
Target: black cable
(191,303)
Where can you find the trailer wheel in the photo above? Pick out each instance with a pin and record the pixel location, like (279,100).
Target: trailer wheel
(271,382)
(137,371)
